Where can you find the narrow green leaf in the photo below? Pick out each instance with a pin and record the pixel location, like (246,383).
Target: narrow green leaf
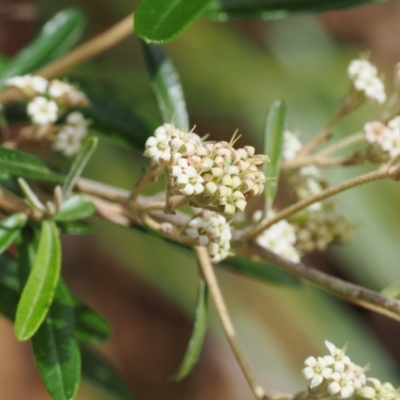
(273,141)
(260,270)
(39,290)
(23,165)
(166,86)
(393,290)
(75,207)
(56,349)
(9,286)
(224,10)
(99,371)
(57,36)
(79,164)
(160,21)
(90,326)
(26,248)
(118,122)
(74,227)
(9,229)
(199,330)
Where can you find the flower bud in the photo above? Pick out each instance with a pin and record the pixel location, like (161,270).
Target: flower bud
(250,150)
(240,204)
(210,188)
(236,182)
(227,180)
(217,172)
(229,209)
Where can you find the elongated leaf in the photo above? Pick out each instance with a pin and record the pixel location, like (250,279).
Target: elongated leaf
(160,21)
(199,330)
(79,164)
(74,227)
(90,326)
(39,290)
(223,10)
(260,270)
(56,348)
(75,207)
(9,230)
(166,86)
(23,165)
(9,286)
(99,371)
(27,248)
(57,36)
(118,122)
(273,141)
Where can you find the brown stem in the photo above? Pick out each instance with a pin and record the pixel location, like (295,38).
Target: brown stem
(212,282)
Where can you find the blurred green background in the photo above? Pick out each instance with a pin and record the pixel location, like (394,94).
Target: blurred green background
(231,72)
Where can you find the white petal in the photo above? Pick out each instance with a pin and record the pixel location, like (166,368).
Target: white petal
(331,347)
(327,372)
(334,388)
(316,381)
(308,372)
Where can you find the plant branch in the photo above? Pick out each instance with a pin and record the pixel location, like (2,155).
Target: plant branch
(347,141)
(382,173)
(350,292)
(209,275)
(85,52)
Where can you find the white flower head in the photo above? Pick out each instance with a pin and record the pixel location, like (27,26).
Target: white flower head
(42,111)
(391,142)
(291,146)
(316,370)
(30,85)
(67,141)
(341,385)
(375,131)
(66,94)
(357,374)
(337,359)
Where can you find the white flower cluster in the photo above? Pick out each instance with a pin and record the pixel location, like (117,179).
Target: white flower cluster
(385,138)
(365,80)
(291,146)
(316,229)
(281,239)
(335,375)
(211,229)
(46,102)
(213,174)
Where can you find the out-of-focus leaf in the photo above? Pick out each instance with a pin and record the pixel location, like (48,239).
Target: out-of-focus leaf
(9,229)
(392,290)
(75,207)
(166,86)
(74,227)
(79,165)
(260,270)
(273,141)
(160,21)
(57,36)
(99,371)
(23,165)
(9,286)
(90,326)
(38,292)
(224,10)
(118,122)
(197,338)
(56,348)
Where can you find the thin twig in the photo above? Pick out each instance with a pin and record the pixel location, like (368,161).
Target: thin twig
(347,141)
(85,52)
(382,173)
(209,275)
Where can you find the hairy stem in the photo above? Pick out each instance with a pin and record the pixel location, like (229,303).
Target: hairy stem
(209,275)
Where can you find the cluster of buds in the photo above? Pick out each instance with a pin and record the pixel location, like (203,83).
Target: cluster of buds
(47,101)
(384,139)
(335,375)
(364,77)
(210,174)
(211,229)
(279,238)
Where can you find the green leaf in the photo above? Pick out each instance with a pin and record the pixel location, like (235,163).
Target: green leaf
(9,286)
(9,230)
(23,165)
(118,122)
(273,141)
(224,10)
(199,330)
(160,21)
(75,207)
(57,36)
(90,326)
(166,86)
(99,371)
(39,290)
(260,270)
(56,349)
(74,227)
(393,290)
(79,165)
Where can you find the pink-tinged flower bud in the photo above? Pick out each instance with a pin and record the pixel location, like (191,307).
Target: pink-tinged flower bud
(202,151)
(236,182)
(229,209)
(206,164)
(227,180)
(209,147)
(240,204)
(210,188)
(217,172)
(250,150)
(242,153)
(220,161)
(243,165)
(248,185)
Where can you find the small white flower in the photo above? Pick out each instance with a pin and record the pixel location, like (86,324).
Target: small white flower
(68,142)
(291,146)
(361,68)
(30,85)
(341,385)
(42,111)
(338,359)
(391,142)
(356,373)
(375,131)
(316,371)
